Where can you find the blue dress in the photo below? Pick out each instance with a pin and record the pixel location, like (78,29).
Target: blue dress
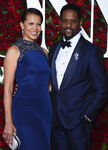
(31,105)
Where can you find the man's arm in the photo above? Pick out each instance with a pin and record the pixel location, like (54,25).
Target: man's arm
(100,83)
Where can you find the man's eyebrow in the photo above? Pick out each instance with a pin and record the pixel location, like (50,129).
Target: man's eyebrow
(70,19)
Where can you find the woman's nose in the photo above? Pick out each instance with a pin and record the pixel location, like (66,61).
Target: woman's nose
(35,27)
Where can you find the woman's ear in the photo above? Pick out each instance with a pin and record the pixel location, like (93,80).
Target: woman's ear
(22,25)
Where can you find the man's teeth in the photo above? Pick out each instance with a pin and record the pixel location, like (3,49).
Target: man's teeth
(68,30)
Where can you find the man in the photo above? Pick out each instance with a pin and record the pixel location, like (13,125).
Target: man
(79,82)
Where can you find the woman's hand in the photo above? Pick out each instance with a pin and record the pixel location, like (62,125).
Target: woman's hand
(50,86)
(8,132)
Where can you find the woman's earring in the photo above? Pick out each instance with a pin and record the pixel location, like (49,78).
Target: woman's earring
(22,32)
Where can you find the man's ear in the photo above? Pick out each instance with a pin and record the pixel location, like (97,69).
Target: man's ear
(22,25)
(81,21)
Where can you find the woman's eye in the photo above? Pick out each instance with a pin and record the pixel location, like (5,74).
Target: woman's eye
(38,24)
(31,23)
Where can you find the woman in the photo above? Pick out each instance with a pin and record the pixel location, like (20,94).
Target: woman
(29,112)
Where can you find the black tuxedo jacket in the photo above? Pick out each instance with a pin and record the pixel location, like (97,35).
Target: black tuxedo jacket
(84,88)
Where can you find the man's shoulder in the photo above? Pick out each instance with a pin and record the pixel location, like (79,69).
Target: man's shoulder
(91,49)
(88,44)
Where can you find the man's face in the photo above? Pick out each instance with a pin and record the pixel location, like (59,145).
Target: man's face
(70,24)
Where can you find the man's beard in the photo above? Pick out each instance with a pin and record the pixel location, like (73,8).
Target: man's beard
(73,33)
(66,36)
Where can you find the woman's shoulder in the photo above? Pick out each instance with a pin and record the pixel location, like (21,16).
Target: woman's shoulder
(13,52)
(13,49)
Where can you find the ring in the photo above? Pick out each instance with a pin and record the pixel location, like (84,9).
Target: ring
(4,136)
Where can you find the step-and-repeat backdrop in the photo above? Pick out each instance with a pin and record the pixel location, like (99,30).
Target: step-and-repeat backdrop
(94,28)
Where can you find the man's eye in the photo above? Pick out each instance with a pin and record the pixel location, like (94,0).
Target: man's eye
(64,21)
(73,21)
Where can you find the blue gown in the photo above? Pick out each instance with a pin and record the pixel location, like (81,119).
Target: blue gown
(31,105)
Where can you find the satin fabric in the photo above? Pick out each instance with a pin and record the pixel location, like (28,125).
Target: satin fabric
(31,105)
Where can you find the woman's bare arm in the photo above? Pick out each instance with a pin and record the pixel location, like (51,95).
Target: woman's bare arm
(10,64)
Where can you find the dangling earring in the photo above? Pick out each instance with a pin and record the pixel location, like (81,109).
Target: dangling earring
(22,32)
(40,35)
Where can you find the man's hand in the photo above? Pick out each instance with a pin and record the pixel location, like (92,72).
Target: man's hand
(15,89)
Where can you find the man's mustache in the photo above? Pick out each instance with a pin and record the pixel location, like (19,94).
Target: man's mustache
(68,29)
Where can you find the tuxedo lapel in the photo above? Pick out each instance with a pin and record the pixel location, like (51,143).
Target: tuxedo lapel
(53,67)
(72,65)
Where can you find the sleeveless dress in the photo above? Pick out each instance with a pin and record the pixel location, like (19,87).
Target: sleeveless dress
(31,105)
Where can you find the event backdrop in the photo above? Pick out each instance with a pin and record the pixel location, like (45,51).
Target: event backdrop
(10,13)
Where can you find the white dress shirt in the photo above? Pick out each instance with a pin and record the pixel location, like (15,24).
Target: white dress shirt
(63,58)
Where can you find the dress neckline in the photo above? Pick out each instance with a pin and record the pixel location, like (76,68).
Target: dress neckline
(29,43)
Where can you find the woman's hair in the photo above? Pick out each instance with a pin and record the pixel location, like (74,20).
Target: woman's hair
(31,11)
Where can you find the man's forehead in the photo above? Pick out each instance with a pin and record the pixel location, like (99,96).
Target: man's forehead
(69,14)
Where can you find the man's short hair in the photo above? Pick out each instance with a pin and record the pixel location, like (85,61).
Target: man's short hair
(71,7)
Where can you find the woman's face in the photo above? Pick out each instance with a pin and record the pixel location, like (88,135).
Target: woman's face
(32,27)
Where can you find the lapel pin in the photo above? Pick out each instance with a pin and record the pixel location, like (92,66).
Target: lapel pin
(76,56)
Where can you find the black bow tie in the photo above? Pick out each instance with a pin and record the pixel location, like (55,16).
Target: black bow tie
(65,43)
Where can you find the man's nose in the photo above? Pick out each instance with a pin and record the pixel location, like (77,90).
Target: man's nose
(69,23)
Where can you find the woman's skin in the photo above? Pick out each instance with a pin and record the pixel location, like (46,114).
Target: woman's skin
(32,30)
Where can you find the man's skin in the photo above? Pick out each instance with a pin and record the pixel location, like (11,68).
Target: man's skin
(70,24)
